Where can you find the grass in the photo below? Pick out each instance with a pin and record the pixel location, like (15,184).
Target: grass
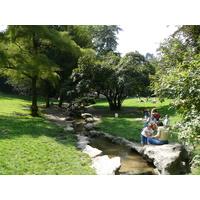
(30,146)
(125,125)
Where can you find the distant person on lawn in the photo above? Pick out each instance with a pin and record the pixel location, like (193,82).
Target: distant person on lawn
(166,121)
(161,137)
(152,120)
(146,113)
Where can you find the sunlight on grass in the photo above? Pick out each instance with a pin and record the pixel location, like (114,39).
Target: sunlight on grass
(31,147)
(125,125)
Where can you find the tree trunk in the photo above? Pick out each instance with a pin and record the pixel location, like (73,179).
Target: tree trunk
(113,104)
(34,107)
(61,101)
(47,100)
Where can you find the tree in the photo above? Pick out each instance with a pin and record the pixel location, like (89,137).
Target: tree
(23,58)
(65,59)
(190,34)
(182,83)
(104,38)
(115,77)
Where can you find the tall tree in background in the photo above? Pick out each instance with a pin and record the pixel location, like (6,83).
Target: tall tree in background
(104,38)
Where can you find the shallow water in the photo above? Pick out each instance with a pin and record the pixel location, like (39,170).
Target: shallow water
(131,160)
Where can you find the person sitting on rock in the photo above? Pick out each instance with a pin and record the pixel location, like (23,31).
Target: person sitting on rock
(161,137)
(146,132)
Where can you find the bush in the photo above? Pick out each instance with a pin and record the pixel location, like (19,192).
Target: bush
(85,101)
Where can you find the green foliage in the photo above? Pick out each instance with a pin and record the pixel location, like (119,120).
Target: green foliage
(113,76)
(26,56)
(183,84)
(104,38)
(181,81)
(85,101)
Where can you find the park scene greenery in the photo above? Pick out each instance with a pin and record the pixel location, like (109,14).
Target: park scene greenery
(66,62)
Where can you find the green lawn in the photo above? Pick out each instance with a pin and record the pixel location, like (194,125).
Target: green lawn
(125,125)
(31,147)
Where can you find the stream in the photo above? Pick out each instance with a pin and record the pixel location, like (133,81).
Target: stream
(132,162)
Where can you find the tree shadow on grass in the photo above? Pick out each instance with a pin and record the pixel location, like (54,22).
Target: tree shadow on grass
(36,127)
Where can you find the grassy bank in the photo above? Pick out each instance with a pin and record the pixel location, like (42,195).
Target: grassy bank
(126,126)
(30,145)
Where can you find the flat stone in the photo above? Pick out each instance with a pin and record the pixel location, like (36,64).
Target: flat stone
(89,120)
(82,142)
(86,115)
(69,128)
(89,126)
(103,165)
(92,152)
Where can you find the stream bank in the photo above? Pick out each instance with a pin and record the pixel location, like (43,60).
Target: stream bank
(167,159)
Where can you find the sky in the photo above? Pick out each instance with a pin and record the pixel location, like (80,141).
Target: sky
(144,38)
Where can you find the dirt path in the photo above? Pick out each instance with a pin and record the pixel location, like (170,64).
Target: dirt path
(58,115)
(103,112)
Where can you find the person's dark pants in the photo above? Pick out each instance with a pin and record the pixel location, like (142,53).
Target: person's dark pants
(156,141)
(143,139)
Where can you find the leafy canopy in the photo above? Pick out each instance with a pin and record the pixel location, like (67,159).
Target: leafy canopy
(113,76)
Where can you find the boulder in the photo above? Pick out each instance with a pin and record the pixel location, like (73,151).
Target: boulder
(171,158)
(168,159)
(82,141)
(69,119)
(103,165)
(89,120)
(89,126)
(87,115)
(69,128)
(92,152)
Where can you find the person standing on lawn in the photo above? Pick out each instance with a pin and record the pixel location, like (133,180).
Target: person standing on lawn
(146,113)
(166,121)
(161,137)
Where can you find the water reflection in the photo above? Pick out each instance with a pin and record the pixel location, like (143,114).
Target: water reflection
(131,160)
